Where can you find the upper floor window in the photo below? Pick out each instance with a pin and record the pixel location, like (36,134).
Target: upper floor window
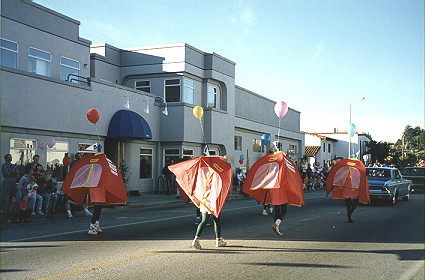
(9,53)
(188,91)
(329,148)
(172,90)
(69,66)
(213,97)
(39,62)
(143,86)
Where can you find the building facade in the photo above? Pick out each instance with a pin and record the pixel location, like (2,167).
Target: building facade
(51,78)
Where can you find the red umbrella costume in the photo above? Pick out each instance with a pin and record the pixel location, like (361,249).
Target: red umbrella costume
(347,179)
(274,179)
(205,180)
(98,177)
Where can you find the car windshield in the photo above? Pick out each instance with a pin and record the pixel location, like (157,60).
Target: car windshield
(378,173)
(413,172)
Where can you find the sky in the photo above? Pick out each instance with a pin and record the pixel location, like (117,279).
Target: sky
(317,56)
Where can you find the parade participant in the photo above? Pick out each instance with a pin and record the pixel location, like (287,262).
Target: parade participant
(206,181)
(347,180)
(99,178)
(275,179)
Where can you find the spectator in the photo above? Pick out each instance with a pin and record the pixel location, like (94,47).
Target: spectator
(48,191)
(24,209)
(169,176)
(21,188)
(12,211)
(35,200)
(37,169)
(8,188)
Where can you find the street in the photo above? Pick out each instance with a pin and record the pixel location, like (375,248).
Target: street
(384,242)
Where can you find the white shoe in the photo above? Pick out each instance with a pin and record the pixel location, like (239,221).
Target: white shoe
(33,214)
(92,230)
(196,244)
(220,242)
(88,213)
(264,212)
(69,214)
(276,230)
(271,210)
(40,213)
(97,228)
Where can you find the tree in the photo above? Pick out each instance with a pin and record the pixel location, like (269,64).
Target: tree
(412,145)
(379,151)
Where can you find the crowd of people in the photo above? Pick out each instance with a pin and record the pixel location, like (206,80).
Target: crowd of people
(314,177)
(35,193)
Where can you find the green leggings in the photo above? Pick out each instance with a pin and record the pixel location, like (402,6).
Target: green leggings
(205,218)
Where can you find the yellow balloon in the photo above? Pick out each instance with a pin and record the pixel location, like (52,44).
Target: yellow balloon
(198,112)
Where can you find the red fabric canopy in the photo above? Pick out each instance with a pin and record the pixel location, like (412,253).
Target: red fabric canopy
(205,180)
(98,177)
(348,179)
(274,178)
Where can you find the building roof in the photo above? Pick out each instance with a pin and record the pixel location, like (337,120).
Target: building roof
(320,136)
(311,151)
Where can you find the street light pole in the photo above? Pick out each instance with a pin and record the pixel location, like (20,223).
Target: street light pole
(349,135)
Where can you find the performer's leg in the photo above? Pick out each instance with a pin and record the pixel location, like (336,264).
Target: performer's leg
(196,244)
(219,241)
(348,204)
(279,213)
(94,226)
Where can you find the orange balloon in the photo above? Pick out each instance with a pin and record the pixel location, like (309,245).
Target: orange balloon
(93,115)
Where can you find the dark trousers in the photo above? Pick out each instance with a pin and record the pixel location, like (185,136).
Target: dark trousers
(96,213)
(279,211)
(351,204)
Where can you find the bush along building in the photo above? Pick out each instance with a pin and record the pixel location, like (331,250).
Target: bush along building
(145,98)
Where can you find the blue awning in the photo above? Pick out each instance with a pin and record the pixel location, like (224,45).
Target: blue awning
(129,124)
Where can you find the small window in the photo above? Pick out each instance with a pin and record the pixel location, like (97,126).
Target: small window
(172,90)
(213,97)
(39,62)
(55,156)
(143,86)
(69,67)
(171,156)
(257,146)
(188,91)
(145,163)
(187,154)
(238,143)
(22,151)
(9,53)
(329,148)
(324,147)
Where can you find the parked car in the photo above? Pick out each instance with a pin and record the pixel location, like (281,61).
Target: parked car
(388,184)
(417,176)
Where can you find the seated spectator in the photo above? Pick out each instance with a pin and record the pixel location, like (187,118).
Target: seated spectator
(47,190)
(12,211)
(35,200)
(24,210)
(21,188)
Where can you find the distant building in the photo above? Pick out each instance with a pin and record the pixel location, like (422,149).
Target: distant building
(145,97)
(328,146)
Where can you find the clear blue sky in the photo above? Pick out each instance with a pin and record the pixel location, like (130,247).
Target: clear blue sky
(317,56)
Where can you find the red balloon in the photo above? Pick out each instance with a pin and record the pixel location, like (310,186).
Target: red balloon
(67,161)
(240,161)
(93,115)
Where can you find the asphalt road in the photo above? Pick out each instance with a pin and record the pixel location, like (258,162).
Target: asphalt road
(384,242)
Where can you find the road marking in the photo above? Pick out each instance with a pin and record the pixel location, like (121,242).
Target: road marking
(135,223)
(102,265)
(320,216)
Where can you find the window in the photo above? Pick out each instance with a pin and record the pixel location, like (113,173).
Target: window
(172,90)
(143,86)
(9,53)
(22,151)
(213,97)
(188,91)
(55,156)
(329,148)
(39,62)
(292,150)
(85,149)
(257,146)
(171,155)
(324,147)
(213,152)
(238,143)
(69,66)
(145,163)
(187,154)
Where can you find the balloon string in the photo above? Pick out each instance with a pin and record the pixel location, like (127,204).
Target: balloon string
(278,134)
(203,134)
(97,133)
